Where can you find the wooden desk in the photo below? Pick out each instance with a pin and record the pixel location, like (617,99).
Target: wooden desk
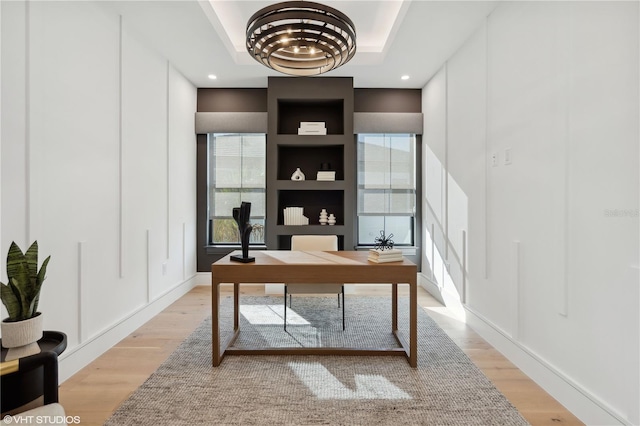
(349,267)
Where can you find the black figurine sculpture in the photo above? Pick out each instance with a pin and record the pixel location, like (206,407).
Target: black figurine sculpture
(241,215)
(383,242)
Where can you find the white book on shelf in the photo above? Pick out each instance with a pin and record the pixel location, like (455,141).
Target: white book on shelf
(326,175)
(312,125)
(312,131)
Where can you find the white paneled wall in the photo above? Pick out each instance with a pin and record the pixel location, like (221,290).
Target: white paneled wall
(532,141)
(98,165)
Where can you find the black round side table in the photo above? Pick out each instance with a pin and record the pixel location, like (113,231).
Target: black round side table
(20,388)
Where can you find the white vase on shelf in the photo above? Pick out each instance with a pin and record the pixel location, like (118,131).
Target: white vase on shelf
(323,217)
(332,219)
(297,175)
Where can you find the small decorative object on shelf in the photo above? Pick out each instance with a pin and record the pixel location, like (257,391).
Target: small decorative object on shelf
(383,242)
(241,215)
(312,128)
(294,216)
(297,175)
(323,217)
(327,176)
(332,219)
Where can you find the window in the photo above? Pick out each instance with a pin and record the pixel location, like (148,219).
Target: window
(236,167)
(386,187)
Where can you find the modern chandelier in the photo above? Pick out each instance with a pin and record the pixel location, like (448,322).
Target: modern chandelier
(301,38)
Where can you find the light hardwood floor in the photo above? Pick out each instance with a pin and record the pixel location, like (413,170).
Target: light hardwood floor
(98,389)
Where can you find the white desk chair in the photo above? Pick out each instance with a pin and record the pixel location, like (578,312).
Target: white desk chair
(313,243)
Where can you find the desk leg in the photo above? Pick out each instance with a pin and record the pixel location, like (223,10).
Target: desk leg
(413,324)
(394,306)
(236,306)
(215,323)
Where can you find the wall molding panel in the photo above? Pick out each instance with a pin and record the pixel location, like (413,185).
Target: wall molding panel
(487,153)
(445,167)
(27,120)
(184,250)
(83,297)
(515,302)
(168,165)
(149,262)
(121,206)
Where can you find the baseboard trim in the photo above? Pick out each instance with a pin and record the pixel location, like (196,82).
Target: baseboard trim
(203,278)
(431,287)
(76,358)
(583,404)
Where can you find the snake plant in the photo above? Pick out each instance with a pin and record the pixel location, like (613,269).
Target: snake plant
(22,292)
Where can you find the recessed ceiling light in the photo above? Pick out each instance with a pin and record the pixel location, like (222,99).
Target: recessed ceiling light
(405,77)
(212,76)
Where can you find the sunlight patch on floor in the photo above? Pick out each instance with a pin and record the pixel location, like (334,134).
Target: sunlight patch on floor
(325,385)
(447,312)
(270,315)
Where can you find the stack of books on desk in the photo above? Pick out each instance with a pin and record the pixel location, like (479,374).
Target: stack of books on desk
(384,256)
(326,175)
(312,128)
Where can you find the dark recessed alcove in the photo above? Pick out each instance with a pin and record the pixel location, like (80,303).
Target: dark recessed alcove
(309,159)
(291,112)
(313,202)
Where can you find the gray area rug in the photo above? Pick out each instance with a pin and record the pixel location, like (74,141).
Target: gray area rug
(445,389)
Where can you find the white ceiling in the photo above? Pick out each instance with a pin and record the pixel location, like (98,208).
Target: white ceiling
(394,37)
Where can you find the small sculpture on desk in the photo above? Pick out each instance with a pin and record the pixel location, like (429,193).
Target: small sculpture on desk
(241,215)
(383,242)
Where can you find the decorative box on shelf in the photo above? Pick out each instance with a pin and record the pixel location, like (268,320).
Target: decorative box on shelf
(295,216)
(326,175)
(312,128)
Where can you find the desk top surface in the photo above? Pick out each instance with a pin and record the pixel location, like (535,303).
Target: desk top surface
(319,258)
(280,266)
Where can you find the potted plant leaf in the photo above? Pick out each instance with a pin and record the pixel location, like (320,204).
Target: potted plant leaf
(23,328)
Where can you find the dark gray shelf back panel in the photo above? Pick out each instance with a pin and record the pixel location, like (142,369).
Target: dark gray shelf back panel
(291,112)
(313,203)
(309,160)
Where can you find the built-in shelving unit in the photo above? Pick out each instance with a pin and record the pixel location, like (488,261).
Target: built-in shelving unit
(292,100)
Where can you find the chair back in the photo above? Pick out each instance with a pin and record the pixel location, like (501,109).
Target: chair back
(314,243)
